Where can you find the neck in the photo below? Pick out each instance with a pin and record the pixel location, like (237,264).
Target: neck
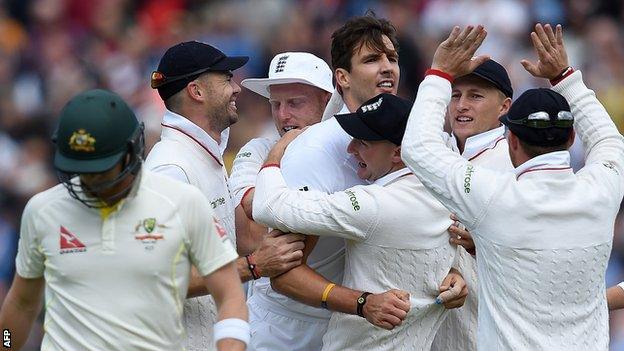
(350,101)
(202,121)
(461,144)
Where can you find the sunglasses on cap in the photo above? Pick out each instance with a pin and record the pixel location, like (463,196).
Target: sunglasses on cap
(541,119)
(158,79)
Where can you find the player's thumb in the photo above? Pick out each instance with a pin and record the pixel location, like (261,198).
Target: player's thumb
(448,295)
(477,61)
(528,66)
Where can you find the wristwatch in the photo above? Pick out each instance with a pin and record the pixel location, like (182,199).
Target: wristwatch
(360,303)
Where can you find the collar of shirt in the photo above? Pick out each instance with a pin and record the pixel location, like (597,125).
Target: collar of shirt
(391,177)
(178,122)
(550,161)
(477,144)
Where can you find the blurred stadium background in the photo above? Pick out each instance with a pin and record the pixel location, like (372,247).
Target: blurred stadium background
(53,49)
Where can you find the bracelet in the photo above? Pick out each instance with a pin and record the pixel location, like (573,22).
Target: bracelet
(360,304)
(328,288)
(233,328)
(437,72)
(563,75)
(253,267)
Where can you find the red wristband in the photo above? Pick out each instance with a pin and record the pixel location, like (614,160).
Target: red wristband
(563,75)
(437,72)
(267,165)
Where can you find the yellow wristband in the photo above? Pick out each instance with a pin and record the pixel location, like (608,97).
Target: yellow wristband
(328,288)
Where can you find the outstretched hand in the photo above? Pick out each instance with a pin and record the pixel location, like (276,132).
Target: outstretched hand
(552,58)
(455,55)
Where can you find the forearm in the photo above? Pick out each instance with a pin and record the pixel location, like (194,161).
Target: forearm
(18,314)
(599,134)
(248,233)
(423,148)
(307,286)
(231,307)
(17,321)
(615,298)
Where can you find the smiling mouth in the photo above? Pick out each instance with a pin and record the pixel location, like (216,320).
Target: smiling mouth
(233,105)
(386,84)
(289,128)
(463,119)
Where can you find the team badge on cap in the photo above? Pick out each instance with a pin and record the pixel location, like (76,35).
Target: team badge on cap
(82,141)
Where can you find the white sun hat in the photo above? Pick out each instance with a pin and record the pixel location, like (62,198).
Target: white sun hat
(293,67)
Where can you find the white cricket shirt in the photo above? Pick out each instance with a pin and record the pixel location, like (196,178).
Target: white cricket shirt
(543,234)
(119,283)
(396,239)
(187,153)
(316,160)
(459,329)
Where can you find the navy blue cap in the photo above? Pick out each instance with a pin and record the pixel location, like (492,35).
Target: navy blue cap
(540,117)
(383,117)
(496,74)
(184,62)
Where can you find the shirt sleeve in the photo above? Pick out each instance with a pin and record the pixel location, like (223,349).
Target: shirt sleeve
(29,262)
(603,143)
(245,169)
(350,214)
(209,246)
(173,171)
(460,186)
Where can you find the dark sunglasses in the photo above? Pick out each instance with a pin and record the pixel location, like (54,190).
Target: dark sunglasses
(542,120)
(158,79)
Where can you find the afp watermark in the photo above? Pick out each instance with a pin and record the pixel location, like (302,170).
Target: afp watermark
(6,339)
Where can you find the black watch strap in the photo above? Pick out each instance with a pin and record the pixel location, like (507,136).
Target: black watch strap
(361,301)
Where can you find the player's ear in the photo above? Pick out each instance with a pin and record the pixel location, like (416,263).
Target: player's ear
(194,91)
(343,78)
(396,154)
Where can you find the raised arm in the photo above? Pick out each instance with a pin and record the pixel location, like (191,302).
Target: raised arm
(463,188)
(603,143)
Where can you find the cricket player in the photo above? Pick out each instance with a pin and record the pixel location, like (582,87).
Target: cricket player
(195,82)
(298,87)
(113,245)
(365,63)
(478,100)
(543,234)
(390,243)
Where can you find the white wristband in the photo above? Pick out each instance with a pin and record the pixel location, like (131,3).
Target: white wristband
(621,285)
(232,328)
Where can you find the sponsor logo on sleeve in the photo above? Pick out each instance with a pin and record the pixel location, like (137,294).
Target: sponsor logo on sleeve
(353,199)
(244,155)
(468,178)
(217,202)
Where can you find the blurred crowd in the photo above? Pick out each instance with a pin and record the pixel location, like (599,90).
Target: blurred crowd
(52,49)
